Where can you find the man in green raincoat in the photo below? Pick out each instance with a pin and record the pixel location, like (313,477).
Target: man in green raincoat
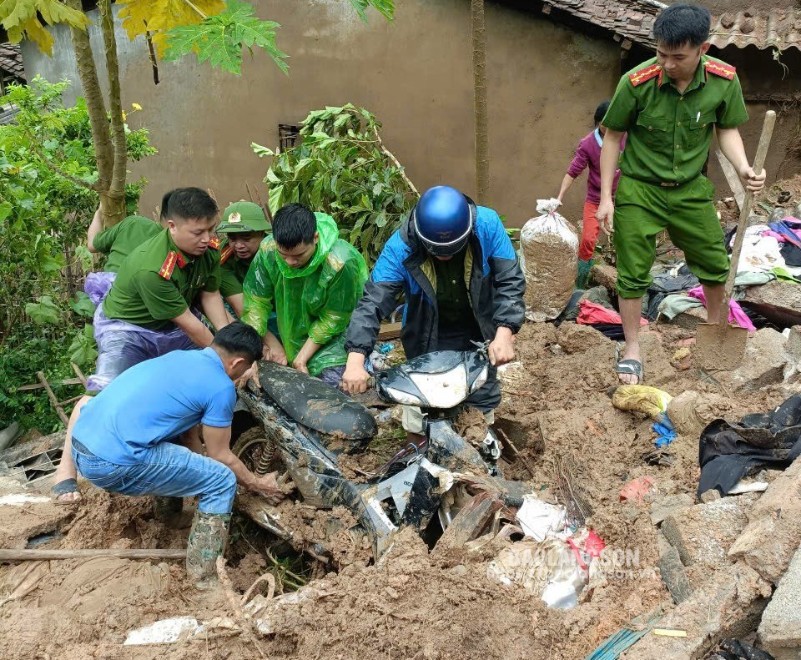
(313,280)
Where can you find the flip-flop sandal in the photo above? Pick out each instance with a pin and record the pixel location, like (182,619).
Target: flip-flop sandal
(629,366)
(632,367)
(63,488)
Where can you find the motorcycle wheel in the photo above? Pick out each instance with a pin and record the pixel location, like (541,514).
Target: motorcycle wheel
(260,455)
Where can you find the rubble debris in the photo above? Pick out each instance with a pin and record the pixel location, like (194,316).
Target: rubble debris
(793,345)
(764,361)
(538,519)
(704,533)
(728,604)
(773,533)
(166,631)
(780,629)
(669,504)
(470,522)
(672,571)
(779,302)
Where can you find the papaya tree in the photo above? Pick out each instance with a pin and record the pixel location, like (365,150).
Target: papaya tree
(215,31)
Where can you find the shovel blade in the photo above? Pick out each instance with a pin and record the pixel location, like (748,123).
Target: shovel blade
(720,346)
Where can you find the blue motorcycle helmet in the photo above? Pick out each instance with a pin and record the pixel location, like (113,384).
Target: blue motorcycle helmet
(443,220)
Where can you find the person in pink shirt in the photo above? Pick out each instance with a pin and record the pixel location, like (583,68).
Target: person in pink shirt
(588,155)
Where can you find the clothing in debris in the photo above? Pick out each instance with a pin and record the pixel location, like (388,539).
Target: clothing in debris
(730,451)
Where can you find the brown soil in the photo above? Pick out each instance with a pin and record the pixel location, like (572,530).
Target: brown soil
(575,449)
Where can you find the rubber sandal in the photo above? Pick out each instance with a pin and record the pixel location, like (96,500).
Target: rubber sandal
(631,367)
(63,488)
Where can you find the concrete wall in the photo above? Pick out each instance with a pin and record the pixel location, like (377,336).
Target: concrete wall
(415,74)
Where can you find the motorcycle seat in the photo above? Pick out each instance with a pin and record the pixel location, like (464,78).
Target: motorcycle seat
(314,404)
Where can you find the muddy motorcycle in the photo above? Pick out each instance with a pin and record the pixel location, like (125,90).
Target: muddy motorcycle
(309,425)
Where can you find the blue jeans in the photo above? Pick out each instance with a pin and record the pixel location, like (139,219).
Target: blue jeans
(166,469)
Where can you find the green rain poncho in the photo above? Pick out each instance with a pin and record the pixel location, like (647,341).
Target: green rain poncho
(315,301)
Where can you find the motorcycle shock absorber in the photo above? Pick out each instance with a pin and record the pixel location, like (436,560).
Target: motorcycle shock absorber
(266,457)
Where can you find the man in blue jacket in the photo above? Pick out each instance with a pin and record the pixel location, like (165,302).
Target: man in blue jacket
(462,282)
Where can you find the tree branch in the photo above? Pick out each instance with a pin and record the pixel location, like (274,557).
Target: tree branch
(70,177)
(391,156)
(95,105)
(116,190)
(480,99)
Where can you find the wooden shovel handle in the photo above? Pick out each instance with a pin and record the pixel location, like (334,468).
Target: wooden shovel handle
(748,201)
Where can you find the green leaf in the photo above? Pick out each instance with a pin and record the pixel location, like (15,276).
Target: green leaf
(82,305)
(261,151)
(85,257)
(44,311)
(5,210)
(276,197)
(385,7)
(83,349)
(219,39)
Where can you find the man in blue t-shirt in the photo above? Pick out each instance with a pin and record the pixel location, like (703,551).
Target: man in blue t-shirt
(126,439)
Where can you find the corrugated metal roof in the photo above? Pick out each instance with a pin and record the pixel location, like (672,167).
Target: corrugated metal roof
(11,60)
(760,26)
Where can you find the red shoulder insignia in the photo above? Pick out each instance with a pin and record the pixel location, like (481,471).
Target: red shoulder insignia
(169,265)
(720,69)
(226,253)
(644,75)
(181,260)
(214,243)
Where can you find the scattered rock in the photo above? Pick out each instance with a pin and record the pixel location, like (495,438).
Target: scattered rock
(780,630)
(710,496)
(704,533)
(777,301)
(682,359)
(668,505)
(672,571)
(773,533)
(793,345)
(764,360)
(729,604)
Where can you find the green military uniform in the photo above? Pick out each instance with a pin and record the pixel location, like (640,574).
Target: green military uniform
(158,282)
(239,217)
(120,240)
(661,186)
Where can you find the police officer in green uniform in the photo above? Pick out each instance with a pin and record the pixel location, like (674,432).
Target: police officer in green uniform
(670,106)
(147,312)
(243,226)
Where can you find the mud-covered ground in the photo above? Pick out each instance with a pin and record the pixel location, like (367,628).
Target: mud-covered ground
(574,448)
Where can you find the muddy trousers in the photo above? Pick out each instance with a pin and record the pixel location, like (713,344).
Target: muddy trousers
(164,469)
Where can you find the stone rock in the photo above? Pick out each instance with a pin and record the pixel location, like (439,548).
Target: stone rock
(728,604)
(672,571)
(777,301)
(704,533)
(605,275)
(575,338)
(764,360)
(793,345)
(780,630)
(710,496)
(668,505)
(773,533)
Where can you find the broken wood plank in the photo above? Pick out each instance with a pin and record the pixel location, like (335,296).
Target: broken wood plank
(389,331)
(731,178)
(120,553)
(53,400)
(39,386)
(470,522)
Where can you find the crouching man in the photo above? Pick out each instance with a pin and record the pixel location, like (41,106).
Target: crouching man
(126,439)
